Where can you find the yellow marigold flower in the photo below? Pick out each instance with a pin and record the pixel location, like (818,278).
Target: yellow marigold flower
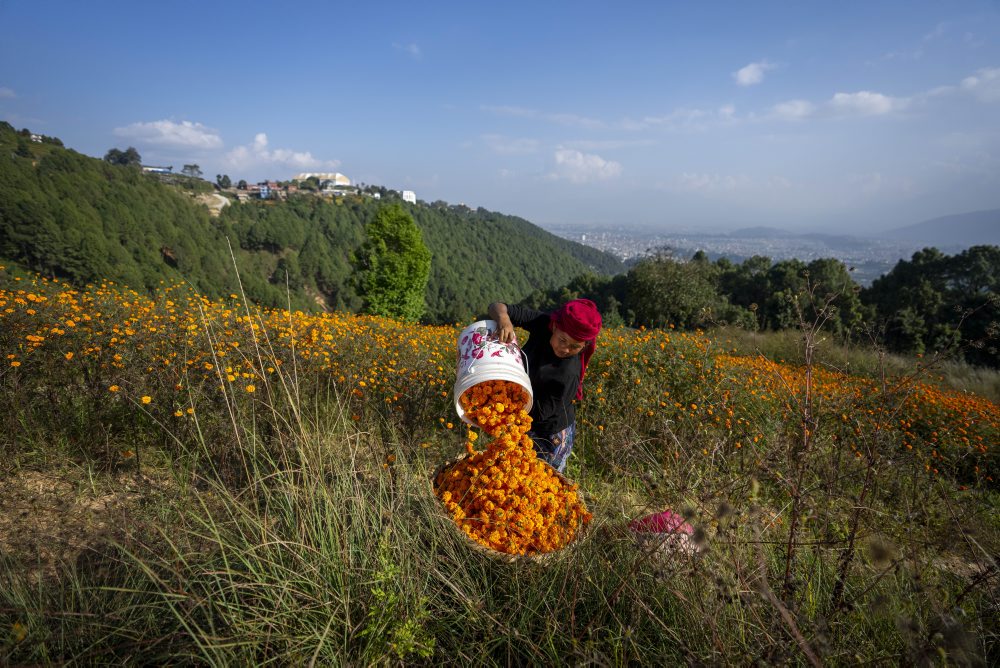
(251,388)
(146,399)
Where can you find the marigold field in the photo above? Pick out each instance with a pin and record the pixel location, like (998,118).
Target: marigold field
(273,475)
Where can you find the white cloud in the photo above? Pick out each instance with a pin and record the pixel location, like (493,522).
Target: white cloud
(7,93)
(793,110)
(984,84)
(580,167)
(841,105)
(573,120)
(752,74)
(258,153)
(682,119)
(607,144)
(506,146)
(411,50)
(865,103)
(168,133)
(874,183)
(938,32)
(710,183)
(914,54)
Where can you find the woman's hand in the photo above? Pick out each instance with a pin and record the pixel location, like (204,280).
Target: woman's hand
(505,328)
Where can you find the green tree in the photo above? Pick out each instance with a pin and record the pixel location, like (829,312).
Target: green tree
(939,303)
(223,180)
(23,148)
(393,266)
(127,158)
(662,291)
(193,171)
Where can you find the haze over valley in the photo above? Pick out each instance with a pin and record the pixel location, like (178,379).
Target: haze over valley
(868,256)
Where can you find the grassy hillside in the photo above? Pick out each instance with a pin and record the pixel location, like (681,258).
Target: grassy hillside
(187,480)
(70,216)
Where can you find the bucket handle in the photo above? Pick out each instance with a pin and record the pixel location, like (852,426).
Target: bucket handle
(524,358)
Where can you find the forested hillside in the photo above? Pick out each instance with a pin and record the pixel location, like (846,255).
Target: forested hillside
(933,303)
(81,219)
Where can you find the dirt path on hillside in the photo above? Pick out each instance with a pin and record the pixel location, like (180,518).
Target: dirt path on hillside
(53,519)
(214,201)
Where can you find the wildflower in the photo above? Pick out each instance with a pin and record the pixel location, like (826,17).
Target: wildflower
(146,399)
(114,388)
(251,388)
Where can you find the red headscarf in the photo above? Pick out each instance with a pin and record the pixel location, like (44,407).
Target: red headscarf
(581,320)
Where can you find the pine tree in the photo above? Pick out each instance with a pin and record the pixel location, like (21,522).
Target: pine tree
(393,266)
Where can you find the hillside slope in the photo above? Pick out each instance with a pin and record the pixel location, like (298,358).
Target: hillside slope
(78,218)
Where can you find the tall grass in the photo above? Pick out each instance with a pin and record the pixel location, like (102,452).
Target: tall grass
(298,524)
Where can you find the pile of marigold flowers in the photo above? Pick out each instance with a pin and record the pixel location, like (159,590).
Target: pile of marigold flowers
(504,497)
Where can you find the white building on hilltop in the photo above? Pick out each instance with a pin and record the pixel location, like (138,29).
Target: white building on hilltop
(335,178)
(410,196)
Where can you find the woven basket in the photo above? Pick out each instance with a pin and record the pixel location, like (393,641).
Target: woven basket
(494,554)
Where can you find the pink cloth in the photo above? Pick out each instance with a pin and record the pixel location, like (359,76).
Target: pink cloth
(666,522)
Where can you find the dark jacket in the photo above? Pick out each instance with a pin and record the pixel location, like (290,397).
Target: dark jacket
(554,380)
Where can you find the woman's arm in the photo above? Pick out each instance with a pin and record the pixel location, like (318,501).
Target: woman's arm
(505,328)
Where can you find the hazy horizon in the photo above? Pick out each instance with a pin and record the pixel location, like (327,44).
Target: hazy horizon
(844,119)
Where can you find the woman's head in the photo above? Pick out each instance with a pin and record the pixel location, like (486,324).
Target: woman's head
(574,325)
(564,345)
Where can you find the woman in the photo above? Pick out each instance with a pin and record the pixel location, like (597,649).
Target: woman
(559,346)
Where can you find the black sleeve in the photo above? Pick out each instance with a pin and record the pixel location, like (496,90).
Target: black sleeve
(522,316)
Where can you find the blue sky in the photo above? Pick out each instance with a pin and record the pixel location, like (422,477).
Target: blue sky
(836,117)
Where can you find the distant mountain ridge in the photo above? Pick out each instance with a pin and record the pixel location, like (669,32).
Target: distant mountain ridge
(960,230)
(761,233)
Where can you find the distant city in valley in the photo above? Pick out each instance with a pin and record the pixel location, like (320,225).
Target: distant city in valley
(870,257)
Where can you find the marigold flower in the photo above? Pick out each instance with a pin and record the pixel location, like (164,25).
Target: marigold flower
(503,497)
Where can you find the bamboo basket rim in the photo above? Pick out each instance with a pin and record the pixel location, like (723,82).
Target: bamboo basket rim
(539,558)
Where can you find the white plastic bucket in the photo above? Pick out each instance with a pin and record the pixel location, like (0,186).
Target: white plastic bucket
(482,357)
